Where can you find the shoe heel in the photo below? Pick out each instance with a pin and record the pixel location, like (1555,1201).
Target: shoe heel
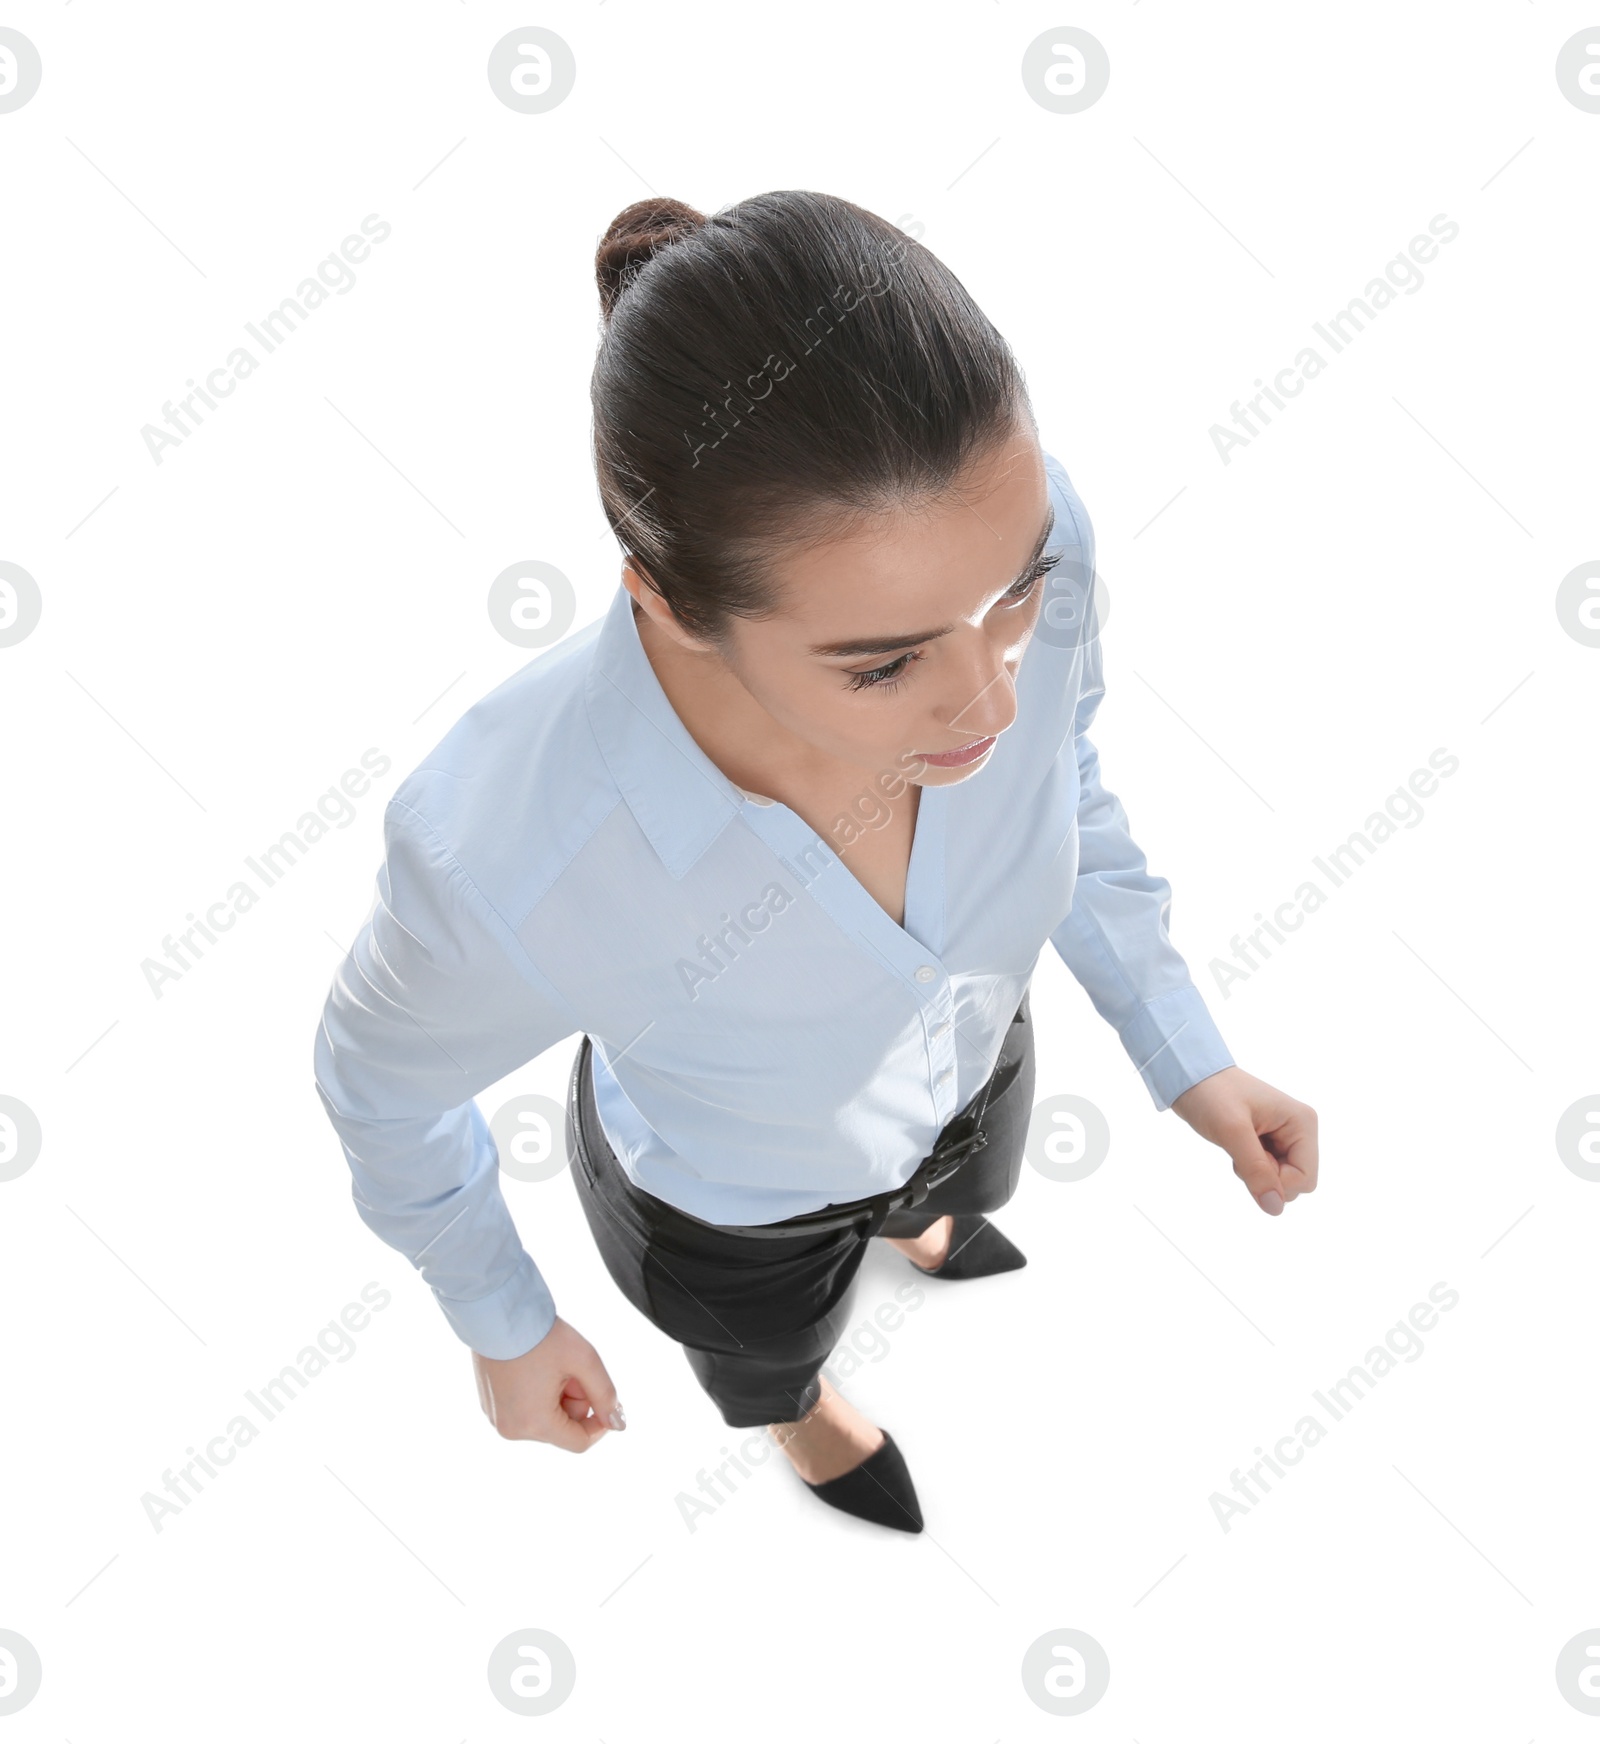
(977,1250)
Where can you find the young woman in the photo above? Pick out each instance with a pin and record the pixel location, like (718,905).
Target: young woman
(783,835)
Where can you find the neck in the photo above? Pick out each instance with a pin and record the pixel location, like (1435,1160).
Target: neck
(746,743)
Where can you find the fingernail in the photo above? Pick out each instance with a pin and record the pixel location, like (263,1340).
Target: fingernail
(615,1418)
(1272,1202)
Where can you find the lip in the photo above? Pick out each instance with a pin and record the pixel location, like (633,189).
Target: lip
(963,754)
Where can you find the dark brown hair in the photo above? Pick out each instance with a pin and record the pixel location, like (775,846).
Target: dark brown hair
(772,373)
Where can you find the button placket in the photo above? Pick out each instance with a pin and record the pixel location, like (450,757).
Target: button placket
(900,952)
(939,1028)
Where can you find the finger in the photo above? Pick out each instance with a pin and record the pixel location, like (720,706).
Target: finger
(561,1431)
(572,1425)
(1258,1171)
(1304,1152)
(1293,1182)
(590,1374)
(1294,1144)
(521,1425)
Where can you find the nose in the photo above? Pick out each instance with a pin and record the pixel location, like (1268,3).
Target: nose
(982,698)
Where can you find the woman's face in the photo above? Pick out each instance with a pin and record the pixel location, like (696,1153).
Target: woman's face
(899,643)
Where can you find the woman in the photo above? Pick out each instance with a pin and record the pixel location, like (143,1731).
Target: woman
(783,835)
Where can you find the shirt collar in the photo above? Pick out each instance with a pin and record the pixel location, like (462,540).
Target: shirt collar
(678,796)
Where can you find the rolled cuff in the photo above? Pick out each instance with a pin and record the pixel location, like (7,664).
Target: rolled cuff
(508,1322)
(1174,1043)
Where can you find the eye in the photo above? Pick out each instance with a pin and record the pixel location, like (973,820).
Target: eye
(1022,590)
(888,677)
(883,677)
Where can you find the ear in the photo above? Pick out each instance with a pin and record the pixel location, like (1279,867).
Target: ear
(636,579)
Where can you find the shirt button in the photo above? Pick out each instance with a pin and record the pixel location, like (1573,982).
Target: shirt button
(757,798)
(925,973)
(942,1027)
(944,1077)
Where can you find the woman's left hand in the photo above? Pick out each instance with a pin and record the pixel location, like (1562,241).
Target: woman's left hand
(1271,1137)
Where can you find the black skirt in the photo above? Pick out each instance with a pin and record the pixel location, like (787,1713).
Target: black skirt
(758,1316)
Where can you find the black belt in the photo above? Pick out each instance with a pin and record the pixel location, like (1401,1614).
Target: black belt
(960,1139)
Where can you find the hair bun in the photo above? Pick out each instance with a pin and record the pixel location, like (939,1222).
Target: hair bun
(636,235)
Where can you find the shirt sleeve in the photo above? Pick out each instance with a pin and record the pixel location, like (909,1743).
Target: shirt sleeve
(436,1001)
(1114,939)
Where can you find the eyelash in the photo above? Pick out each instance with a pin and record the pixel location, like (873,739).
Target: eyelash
(891,676)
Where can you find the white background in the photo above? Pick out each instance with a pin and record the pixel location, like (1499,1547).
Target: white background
(305,577)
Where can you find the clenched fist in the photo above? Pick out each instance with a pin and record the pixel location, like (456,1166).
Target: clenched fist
(1271,1137)
(558,1392)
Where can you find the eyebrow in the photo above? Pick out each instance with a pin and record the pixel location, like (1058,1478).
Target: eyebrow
(893,644)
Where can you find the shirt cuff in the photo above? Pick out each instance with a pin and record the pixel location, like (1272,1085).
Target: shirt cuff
(508,1322)
(1174,1043)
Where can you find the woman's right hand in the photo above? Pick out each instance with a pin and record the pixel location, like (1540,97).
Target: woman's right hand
(559,1391)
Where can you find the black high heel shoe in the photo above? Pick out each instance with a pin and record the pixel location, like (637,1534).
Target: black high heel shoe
(977,1250)
(879,1489)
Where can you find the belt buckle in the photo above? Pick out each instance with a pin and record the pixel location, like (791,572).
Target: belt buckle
(944,1171)
(946,1165)
(918,1187)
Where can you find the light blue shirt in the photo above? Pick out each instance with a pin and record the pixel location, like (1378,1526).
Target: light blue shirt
(767,1040)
